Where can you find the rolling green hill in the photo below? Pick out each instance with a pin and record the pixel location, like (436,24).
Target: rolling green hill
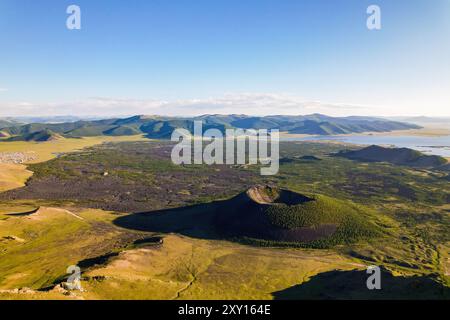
(39,136)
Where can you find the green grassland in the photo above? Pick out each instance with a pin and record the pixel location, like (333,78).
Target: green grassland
(35,250)
(408,206)
(186,268)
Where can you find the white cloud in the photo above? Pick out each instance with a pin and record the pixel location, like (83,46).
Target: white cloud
(3,89)
(241,103)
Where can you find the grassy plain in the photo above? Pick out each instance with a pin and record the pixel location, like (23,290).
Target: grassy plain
(186,268)
(13,176)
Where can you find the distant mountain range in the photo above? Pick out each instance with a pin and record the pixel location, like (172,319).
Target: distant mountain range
(4,123)
(162,127)
(422,120)
(51,119)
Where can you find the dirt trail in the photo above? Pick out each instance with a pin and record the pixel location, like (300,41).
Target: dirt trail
(44,212)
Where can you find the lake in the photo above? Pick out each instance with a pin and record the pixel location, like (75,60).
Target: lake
(439,145)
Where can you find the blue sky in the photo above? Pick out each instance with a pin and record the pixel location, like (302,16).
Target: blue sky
(222,56)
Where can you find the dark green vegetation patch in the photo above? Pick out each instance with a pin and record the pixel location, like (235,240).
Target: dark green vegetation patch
(129,177)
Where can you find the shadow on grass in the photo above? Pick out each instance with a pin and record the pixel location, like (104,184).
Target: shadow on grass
(96,261)
(195,221)
(352,285)
(22,214)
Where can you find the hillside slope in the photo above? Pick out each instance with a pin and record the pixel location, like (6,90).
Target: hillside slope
(39,136)
(399,156)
